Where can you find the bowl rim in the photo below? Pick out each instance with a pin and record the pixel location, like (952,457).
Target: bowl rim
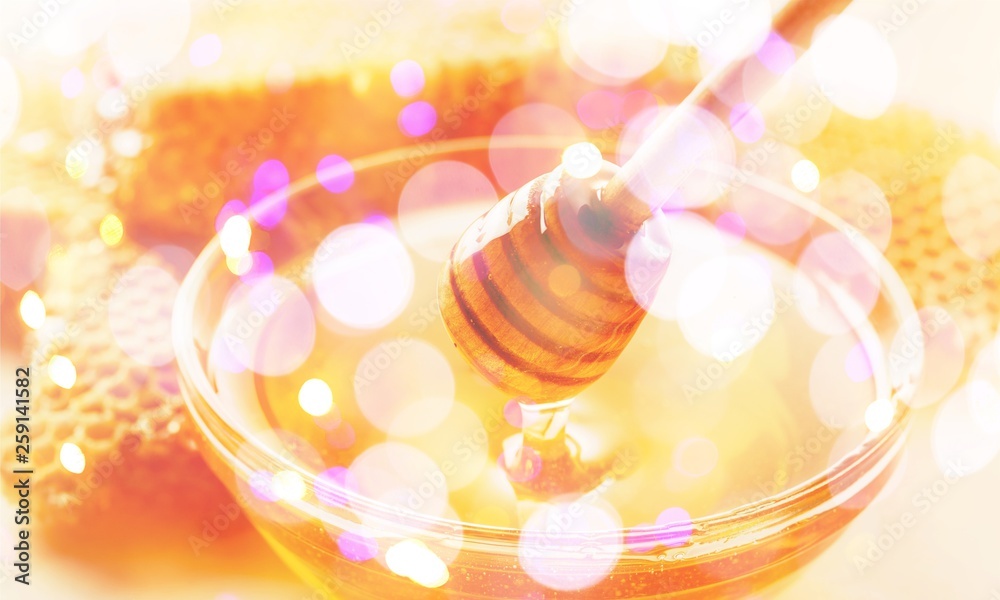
(778,508)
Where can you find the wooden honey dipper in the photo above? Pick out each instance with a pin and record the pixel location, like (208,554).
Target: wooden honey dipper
(535,294)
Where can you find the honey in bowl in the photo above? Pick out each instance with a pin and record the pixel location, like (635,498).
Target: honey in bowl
(376,460)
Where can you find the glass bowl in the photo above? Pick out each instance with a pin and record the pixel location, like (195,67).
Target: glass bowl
(283,295)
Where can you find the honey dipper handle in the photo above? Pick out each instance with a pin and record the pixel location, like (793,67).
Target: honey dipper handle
(795,23)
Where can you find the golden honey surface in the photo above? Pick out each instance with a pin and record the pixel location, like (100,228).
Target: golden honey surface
(394,413)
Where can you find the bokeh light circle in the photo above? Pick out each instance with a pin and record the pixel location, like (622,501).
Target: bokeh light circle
(696,456)
(335,173)
(970,207)
(363,275)
(270,493)
(288,486)
(767,217)
(726,307)
(10,100)
(145,35)
(582,160)
(776,54)
(798,107)
(985,376)
(987,363)
(513,167)
(269,199)
(402,477)
(62,371)
(856,65)
(315,397)
(931,340)
(234,237)
(179,259)
(610,40)
(25,237)
(357,546)
(720,42)
(747,122)
(437,204)
(76,26)
(333,485)
(417,118)
(404,386)
(139,314)
(411,558)
(879,415)
(459,444)
(260,265)
(240,265)
(72,83)
(71,458)
(678,525)
(647,259)
(407,78)
(805,175)
(961,443)
(268,326)
(694,242)
(996,118)
(732,228)
(127,142)
(836,286)
(841,386)
(600,109)
(860,202)
(229,209)
(205,50)
(32,309)
(690,161)
(653,16)
(563,533)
